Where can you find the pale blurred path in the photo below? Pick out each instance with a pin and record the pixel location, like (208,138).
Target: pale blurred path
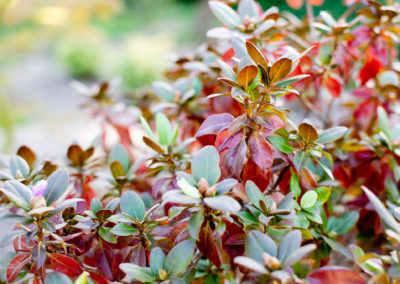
(52,117)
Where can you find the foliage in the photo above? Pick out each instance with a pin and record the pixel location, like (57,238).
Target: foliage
(228,184)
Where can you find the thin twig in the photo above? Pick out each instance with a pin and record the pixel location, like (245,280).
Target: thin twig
(310,17)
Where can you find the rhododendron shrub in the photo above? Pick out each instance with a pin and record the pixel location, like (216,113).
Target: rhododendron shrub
(269,155)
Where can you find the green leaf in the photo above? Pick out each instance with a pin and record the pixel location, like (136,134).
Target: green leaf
(298,254)
(19,165)
(157,260)
(336,246)
(331,134)
(225,14)
(308,199)
(342,224)
(106,235)
(95,205)
(257,243)
(179,258)
(205,164)
(123,229)
(295,185)
(132,204)
(247,8)
(82,279)
(250,264)
(323,194)
(147,129)
(18,193)
(195,222)
(135,272)
(255,195)
(313,214)
(326,169)
(325,54)
(391,189)
(164,129)
(281,144)
(225,185)
(174,135)
(227,70)
(119,153)
(289,244)
(386,217)
(384,122)
(57,278)
(163,90)
(57,184)
(300,159)
(188,189)
(291,80)
(223,203)
(327,18)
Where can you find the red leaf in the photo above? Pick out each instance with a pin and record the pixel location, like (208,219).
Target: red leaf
(233,239)
(88,191)
(252,172)
(234,159)
(206,244)
(227,56)
(214,124)
(65,264)
(230,141)
(370,69)
(333,85)
(261,152)
(103,262)
(334,275)
(99,279)
(15,266)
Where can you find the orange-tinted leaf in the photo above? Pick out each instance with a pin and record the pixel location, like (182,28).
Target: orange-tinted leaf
(247,74)
(308,132)
(280,69)
(15,266)
(334,275)
(295,4)
(152,145)
(333,85)
(76,155)
(117,169)
(206,244)
(27,154)
(308,179)
(256,55)
(65,264)
(316,2)
(261,152)
(229,82)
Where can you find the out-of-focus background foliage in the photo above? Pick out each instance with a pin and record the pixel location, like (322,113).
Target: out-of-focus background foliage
(44,44)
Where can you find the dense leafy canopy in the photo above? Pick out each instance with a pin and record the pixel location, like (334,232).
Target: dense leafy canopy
(228,184)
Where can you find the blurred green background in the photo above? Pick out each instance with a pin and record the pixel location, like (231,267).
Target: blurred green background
(46,43)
